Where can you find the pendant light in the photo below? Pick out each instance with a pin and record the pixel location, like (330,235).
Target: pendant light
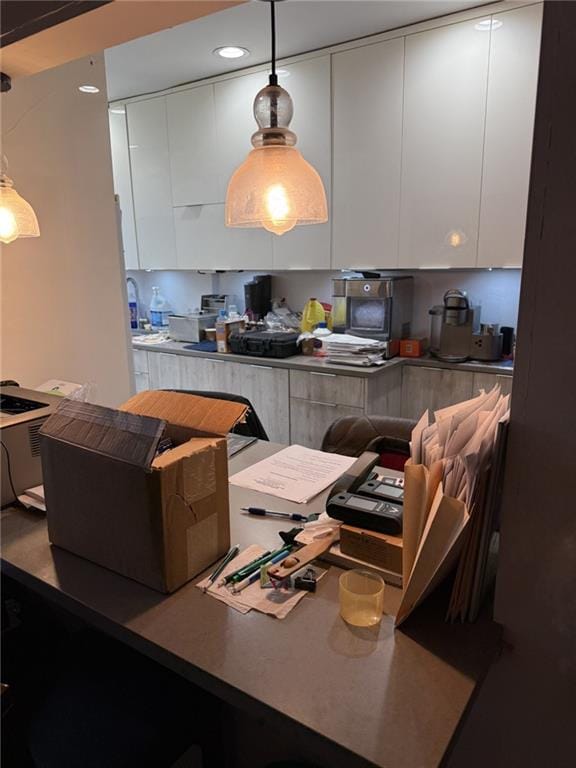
(17,217)
(275,187)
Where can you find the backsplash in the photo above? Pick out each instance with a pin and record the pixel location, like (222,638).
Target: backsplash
(497,291)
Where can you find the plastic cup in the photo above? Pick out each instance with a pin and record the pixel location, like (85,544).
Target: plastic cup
(361,598)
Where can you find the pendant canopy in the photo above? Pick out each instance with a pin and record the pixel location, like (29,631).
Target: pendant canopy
(275,187)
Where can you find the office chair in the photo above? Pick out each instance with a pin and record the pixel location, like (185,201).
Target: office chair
(388,436)
(252,427)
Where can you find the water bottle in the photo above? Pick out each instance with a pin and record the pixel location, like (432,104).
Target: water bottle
(132,303)
(159,310)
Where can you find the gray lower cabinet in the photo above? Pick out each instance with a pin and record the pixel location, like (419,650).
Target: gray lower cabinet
(487,380)
(164,370)
(433,388)
(309,420)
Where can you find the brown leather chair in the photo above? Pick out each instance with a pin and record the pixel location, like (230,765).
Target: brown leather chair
(390,437)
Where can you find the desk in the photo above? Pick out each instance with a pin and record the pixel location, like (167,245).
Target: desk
(362,696)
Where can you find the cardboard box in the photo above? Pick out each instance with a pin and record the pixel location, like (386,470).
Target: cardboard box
(413,347)
(223,331)
(158,519)
(372,547)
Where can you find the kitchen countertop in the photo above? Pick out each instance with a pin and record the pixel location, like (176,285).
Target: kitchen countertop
(309,363)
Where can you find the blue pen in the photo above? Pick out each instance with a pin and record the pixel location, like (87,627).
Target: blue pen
(255,576)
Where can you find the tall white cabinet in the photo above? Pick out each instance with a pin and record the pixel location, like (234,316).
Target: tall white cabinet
(514,53)
(151,184)
(367,149)
(123,184)
(446,73)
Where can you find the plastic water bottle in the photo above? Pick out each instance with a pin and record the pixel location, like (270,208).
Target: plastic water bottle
(159,310)
(132,303)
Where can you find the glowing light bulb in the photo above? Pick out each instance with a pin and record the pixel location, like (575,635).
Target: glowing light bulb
(278,210)
(8,226)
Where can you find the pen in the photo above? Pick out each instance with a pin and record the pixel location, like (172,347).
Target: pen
(232,552)
(273,513)
(246,569)
(256,575)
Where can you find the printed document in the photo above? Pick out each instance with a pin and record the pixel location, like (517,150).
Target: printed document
(295,473)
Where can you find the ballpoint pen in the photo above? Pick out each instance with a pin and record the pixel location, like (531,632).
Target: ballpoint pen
(256,575)
(274,513)
(232,552)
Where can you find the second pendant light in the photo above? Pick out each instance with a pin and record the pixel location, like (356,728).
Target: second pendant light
(275,187)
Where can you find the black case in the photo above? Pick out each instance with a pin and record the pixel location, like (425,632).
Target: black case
(264,344)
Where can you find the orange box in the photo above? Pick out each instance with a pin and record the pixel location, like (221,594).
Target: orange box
(412,347)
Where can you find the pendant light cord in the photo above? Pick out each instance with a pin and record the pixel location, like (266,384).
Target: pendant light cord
(273,78)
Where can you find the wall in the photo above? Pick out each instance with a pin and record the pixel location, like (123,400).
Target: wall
(63,294)
(497,291)
(525,713)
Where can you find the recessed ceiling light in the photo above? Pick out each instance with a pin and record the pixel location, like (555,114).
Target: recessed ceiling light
(487,24)
(231,52)
(117,110)
(89,89)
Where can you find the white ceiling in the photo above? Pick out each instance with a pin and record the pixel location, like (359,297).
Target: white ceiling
(184,53)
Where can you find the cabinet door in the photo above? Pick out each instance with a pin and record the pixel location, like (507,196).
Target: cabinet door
(235,122)
(203,241)
(142,381)
(368,90)
(123,186)
(514,55)
(140,357)
(150,161)
(309,420)
(308,83)
(194,152)
(446,73)
(433,388)
(330,388)
(164,371)
(487,381)
(267,389)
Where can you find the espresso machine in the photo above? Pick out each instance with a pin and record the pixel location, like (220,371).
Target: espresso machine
(452,327)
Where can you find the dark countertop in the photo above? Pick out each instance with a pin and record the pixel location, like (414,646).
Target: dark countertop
(379,696)
(305,363)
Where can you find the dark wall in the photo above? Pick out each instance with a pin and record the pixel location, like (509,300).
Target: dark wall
(525,713)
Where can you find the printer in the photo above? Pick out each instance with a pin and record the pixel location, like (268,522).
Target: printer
(22,414)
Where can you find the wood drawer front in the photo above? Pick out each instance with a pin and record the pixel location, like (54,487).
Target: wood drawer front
(327,388)
(433,388)
(140,361)
(310,419)
(487,381)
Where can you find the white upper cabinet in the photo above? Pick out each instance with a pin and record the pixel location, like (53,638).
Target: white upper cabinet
(123,185)
(367,120)
(150,162)
(308,83)
(235,122)
(203,241)
(446,72)
(514,54)
(194,159)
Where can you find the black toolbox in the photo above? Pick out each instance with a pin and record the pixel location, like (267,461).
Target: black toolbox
(264,343)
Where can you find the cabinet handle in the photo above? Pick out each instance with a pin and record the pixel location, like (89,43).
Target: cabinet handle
(319,402)
(316,373)
(262,367)
(213,360)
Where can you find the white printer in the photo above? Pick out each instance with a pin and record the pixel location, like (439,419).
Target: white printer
(22,413)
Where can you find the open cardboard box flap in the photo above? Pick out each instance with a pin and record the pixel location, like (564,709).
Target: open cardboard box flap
(202,414)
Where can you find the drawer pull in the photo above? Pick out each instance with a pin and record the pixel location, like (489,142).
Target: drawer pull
(262,367)
(317,373)
(319,402)
(213,360)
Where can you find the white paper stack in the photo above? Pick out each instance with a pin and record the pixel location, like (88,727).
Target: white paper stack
(346,349)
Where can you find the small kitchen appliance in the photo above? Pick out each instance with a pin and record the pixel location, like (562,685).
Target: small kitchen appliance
(452,327)
(375,308)
(190,327)
(487,345)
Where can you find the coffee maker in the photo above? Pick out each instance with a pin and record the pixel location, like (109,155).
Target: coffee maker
(452,327)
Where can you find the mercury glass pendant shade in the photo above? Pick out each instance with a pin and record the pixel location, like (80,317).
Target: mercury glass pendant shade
(275,187)
(17,217)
